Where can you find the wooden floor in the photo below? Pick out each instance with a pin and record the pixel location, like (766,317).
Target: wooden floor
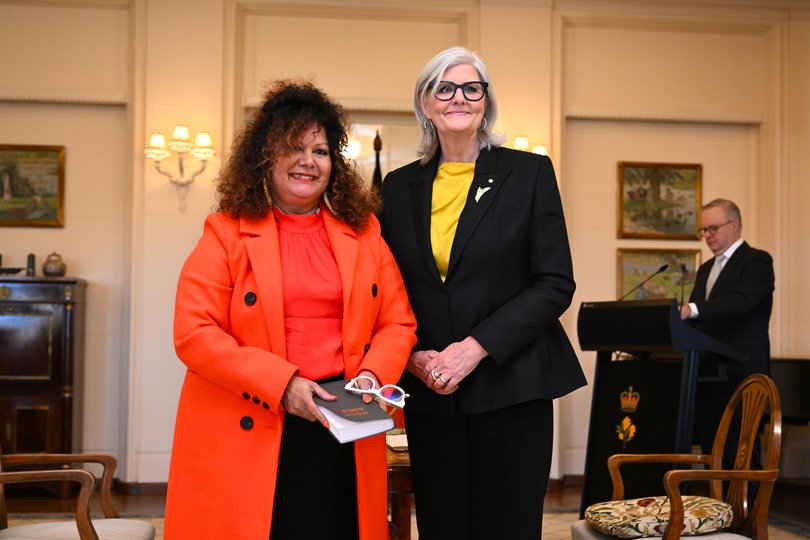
(44,502)
(790,505)
(30,502)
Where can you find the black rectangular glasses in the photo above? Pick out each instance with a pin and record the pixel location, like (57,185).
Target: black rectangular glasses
(472,90)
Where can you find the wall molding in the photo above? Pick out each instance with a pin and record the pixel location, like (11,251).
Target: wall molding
(749,19)
(37,75)
(752,118)
(769,25)
(105,4)
(67,97)
(349,103)
(464,16)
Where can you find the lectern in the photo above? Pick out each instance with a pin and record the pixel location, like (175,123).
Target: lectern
(644,388)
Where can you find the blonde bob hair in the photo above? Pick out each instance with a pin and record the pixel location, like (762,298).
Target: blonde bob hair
(426,85)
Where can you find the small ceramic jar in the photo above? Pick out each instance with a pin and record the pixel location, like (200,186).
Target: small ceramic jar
(54,266)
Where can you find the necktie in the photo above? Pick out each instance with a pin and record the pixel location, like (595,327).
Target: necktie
(713,273)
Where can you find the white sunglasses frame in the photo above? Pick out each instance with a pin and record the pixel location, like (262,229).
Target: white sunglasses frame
(375,392)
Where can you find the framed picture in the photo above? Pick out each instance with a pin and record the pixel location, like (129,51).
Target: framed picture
(659,200)
(32,185)
(636,265)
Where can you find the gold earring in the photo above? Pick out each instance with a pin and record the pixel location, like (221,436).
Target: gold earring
(267,193)
(327,203)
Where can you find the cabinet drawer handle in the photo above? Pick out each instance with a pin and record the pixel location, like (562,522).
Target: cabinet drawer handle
(5,292)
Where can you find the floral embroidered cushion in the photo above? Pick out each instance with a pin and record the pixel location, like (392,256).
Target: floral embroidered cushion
(638,518)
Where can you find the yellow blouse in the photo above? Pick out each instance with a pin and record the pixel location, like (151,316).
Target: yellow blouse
(450,188)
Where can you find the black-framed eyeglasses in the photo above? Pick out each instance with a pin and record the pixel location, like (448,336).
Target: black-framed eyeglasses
(389,393)
(712,229)
(472,90)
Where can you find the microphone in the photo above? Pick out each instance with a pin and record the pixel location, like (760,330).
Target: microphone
(662,269)
(683,279)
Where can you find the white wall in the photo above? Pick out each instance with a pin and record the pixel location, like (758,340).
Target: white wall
(723,83)
(591,203)
(90,242)
(658,85)
(182,79)
(794,217)
(70,90)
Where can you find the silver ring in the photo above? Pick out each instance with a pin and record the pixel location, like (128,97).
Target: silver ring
(434,374)
(442,379)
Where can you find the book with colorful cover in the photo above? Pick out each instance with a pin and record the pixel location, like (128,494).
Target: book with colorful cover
(349,417)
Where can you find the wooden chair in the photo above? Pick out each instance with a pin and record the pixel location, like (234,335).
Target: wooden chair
(755,395)
(109,528)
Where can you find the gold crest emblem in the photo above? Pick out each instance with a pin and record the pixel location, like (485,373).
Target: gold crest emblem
(629,400)
(626,431)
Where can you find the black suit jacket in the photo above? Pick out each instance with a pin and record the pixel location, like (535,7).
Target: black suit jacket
(509,280)
(738,310)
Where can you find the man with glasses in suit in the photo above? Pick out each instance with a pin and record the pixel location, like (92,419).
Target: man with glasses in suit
(731,301)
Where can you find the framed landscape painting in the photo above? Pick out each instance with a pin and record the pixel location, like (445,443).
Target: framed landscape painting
(636,265)
(32,184)
(659,200)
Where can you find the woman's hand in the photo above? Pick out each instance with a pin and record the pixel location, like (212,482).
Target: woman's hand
(453,364)
(365,385)
(297,399)
(419,364)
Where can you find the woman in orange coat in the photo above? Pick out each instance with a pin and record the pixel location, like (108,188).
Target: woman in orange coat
(291,284)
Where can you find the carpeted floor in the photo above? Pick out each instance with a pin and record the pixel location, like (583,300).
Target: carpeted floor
(556,526)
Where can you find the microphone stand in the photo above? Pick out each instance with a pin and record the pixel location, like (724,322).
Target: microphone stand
(683,279)
(662,269)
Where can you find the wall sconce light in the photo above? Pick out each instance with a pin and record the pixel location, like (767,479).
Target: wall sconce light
(202,149)
(522,143)
(353,148)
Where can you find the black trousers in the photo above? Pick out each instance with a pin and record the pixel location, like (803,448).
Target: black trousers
(481,476)
(316,486)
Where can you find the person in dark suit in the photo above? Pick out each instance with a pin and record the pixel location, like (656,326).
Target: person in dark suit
(731,301)
(479,234)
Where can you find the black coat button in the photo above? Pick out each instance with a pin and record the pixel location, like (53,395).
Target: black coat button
(246,422)
(374,290)
(245,395)
(250,298)
(256,400)
(265,405)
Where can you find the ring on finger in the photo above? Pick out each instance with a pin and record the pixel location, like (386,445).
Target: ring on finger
(434,374)
(442,379)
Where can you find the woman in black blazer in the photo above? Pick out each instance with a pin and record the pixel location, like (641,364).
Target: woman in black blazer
(479,234)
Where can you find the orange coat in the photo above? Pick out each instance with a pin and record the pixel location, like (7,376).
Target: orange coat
(229,331)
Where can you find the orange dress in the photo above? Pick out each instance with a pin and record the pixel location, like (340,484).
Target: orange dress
(313,296)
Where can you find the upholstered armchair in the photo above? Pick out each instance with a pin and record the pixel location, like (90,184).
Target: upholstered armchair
(724,514)
(111,527)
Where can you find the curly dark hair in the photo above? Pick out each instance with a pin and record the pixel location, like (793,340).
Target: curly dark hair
(274,130)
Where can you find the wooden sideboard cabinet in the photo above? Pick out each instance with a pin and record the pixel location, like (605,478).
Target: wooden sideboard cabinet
(41,357)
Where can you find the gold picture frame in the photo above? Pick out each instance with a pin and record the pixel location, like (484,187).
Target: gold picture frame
(32,185)
(633,266)
(659,200)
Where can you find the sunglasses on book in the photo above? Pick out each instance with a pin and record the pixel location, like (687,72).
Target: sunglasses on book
(390,393)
